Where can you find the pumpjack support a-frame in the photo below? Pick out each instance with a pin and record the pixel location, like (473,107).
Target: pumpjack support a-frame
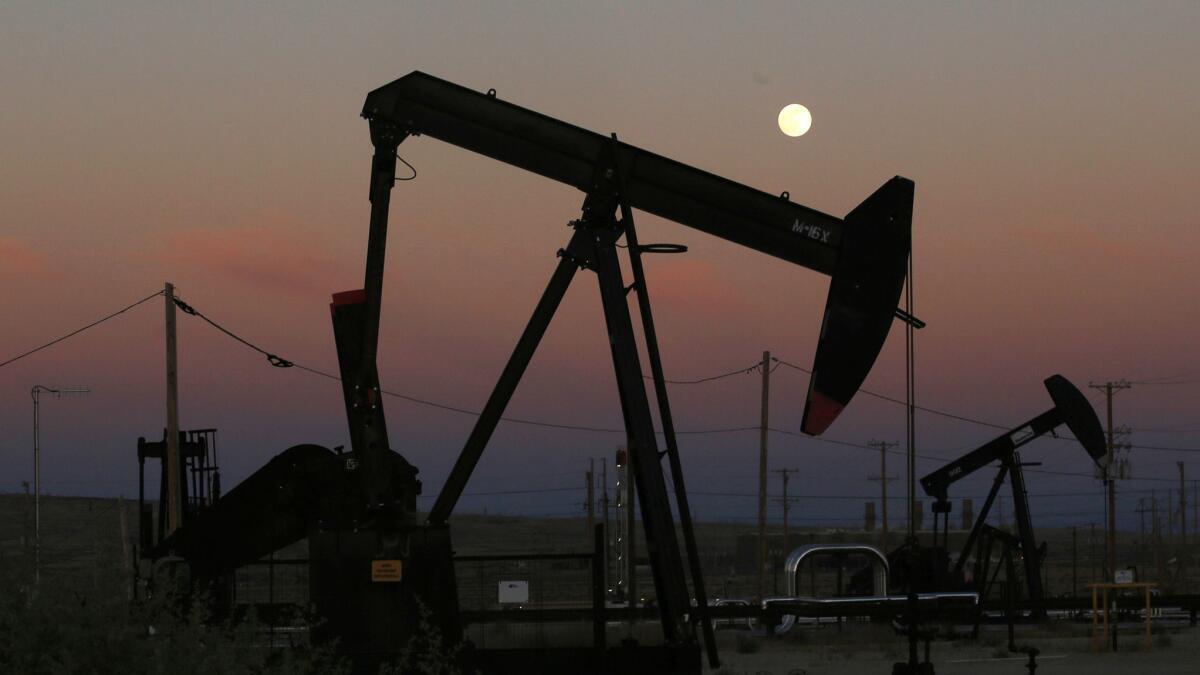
(593,246)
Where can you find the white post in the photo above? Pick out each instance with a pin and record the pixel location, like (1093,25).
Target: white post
(37,473)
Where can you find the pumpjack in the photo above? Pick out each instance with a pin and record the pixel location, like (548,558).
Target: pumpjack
(1071,409)
(358,508)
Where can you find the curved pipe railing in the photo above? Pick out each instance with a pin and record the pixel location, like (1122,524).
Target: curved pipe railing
(798,556)
(879,563)
(879,591)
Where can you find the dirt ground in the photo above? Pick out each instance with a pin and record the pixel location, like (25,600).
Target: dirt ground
(873,650)
(81,538)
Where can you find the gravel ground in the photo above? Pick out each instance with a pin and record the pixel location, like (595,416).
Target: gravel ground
(873,650)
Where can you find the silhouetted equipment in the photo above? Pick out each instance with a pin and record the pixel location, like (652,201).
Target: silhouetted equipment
(866,252)
(199,481)
(1070,408)
(358,508)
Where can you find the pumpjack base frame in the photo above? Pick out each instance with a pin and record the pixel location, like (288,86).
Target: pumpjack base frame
(368,616)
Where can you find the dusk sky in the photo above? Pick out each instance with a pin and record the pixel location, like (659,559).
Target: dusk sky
(219,146)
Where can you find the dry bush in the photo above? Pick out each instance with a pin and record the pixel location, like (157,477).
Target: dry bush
(426,652)
(64,626)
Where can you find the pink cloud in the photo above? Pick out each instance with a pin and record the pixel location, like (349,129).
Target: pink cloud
(687,283)
(257,255)
(18,260)
(1091,243)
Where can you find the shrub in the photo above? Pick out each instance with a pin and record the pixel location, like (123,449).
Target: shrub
(426,652)
(62,626)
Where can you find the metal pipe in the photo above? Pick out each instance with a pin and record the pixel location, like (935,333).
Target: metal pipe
(798,556)
(879,588)
(797,605)
(950,596)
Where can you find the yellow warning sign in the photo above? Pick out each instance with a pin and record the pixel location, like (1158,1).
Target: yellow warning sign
(386,570)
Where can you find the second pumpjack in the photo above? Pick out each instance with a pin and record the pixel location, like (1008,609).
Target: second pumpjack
(930,568)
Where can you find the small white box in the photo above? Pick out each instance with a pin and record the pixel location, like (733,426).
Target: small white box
(1124,577)
(514,592)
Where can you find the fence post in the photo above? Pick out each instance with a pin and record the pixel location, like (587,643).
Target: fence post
(599,623)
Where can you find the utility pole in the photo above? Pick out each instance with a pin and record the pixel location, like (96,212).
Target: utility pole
(127,567)
(883,479)
(26,525)
(591,497)
(1109,388)
(1182,506)
(762,474)
(784,473)
(604,505)
(786,502)
(1074,560)
(1156,531)
(1141,511)
(910,399)
(37,488)
(1092,549)
(36,393)
(174,515)
(1170,517)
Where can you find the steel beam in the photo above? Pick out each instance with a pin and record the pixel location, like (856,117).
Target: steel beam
(668,426)
(570,260)
(662,548)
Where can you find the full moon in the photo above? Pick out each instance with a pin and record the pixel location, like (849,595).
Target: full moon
(794,120)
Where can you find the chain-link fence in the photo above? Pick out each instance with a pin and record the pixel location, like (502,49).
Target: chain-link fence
(530,601)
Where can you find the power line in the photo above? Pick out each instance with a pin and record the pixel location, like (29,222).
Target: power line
(281,362)
(1179,378)
(285,363)
(1062,437)
(531,491)
(963,418)
(77,331)
(884,397)
(274,360)
(742,371)
(1162,448)
(847,444)
(1032,495)
(1072,474)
